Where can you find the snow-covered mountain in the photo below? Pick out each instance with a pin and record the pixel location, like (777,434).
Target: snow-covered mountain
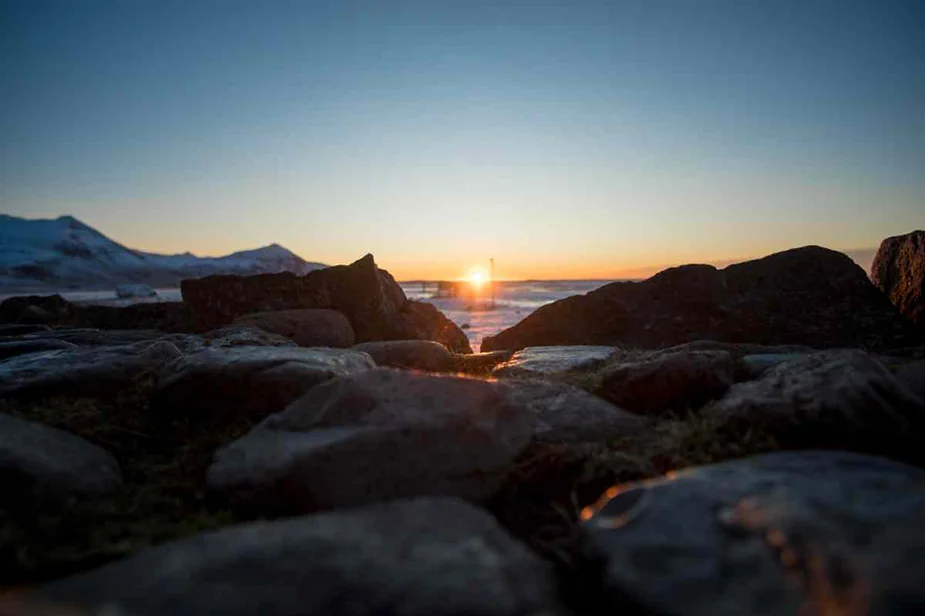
(64,253)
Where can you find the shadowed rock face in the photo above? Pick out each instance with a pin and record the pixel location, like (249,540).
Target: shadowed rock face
(424,557)
(790,533)
(41,464)
(809,295)
(369,297)
(899,270)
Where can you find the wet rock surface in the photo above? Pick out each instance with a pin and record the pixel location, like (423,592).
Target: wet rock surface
(42,466)
(424,557)
(788,533)
(306,328)
(409,354)
(550,360)
(480,363)
(247,381)
(373,436)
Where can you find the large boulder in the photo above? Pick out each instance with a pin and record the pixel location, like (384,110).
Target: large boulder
(373,436)
(40,465)
(774,535)
(223,384)
(669,381)
(369,297)
(103,370)
(306,327)
(424,557)
(410,354)
(899,270)
(809,296)
(550,360)
(842,398)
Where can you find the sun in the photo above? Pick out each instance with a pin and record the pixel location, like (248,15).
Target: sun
(477,278)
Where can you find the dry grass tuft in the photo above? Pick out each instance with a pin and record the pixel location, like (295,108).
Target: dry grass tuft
(163,465)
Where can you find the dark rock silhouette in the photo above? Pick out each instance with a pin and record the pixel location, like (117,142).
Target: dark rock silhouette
(810,295)
(368,296)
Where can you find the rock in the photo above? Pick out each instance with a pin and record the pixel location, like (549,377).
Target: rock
(84,337)
(224,384)
(912,376)
(566,414)
(775,535)
(19,330)
(130,291)
(373,436)
(103,370)
(369,297)
(753,366)
(480,363)
(548,360)
(736,349)
(808,296)
(13,348)
(307,328)
(54,310)
(35,310)
(422,321)
(409,354)
(423,557)
(43,465)
(899,271)
(671,381)
(842,398)
(243,335)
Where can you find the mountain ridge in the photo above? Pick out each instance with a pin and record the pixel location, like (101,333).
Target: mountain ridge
(65,253)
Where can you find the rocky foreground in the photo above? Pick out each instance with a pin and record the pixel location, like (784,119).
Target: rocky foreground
(321,445)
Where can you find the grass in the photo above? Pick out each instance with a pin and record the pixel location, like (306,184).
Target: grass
(550,485)
(163,465)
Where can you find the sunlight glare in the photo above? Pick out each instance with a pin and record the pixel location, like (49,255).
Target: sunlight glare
(477,278)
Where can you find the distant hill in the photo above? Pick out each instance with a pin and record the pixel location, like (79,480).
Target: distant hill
(64,253)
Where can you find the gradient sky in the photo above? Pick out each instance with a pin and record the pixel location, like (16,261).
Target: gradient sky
(564,139)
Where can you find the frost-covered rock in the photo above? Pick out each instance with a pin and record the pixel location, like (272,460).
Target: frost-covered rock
(12,348)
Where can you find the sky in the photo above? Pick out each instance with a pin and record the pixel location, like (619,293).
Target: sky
(563,139)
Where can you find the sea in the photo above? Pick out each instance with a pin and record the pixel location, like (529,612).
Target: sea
(479,311)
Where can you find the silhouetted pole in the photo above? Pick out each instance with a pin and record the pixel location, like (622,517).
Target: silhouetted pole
(491,281)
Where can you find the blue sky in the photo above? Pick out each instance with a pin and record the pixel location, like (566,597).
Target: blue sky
(564,139)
